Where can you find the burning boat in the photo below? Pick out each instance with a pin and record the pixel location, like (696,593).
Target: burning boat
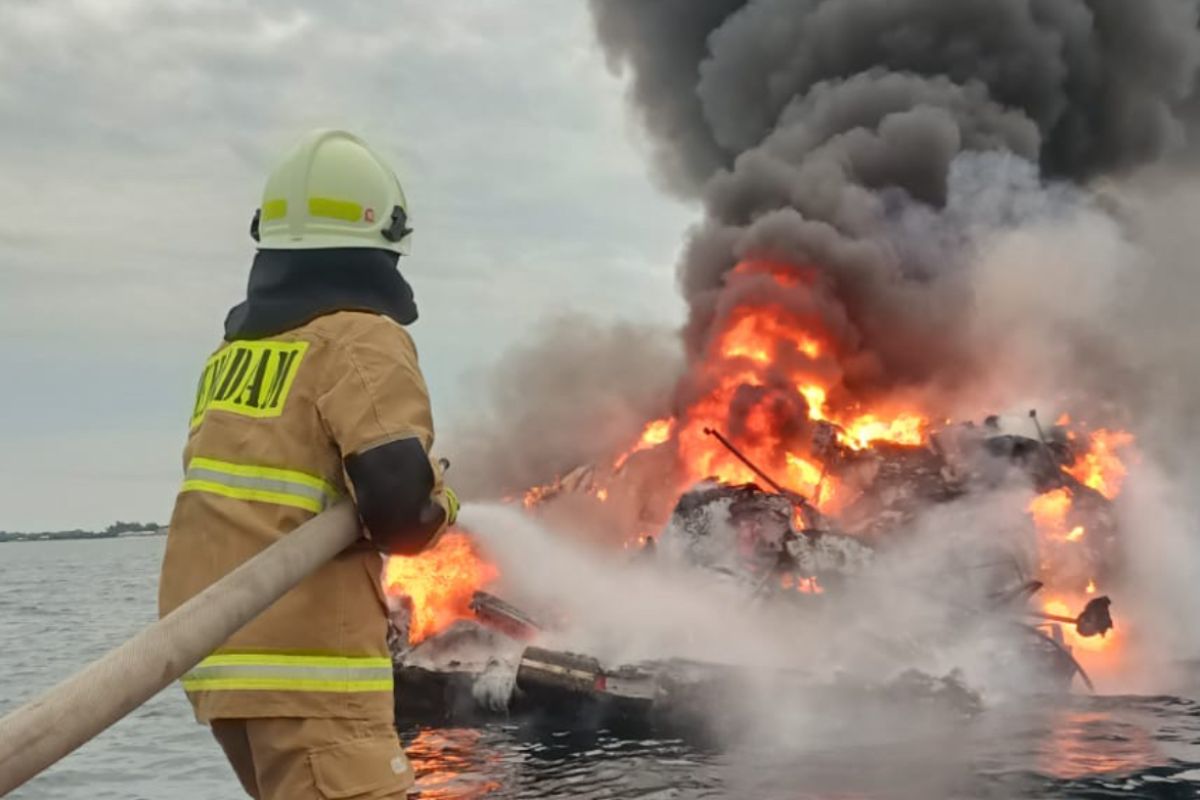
(774,479)
(461,652)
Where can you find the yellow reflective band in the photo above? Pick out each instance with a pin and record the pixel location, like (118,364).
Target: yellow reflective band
(330,208)
(250,471)
(253,495)
(289,673)
(253,379)
(284,685)
(259,484)
(274,209)
(287,659)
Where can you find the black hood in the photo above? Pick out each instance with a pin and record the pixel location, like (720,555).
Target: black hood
(291,287)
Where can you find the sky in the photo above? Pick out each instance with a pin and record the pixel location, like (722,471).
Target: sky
(135,136)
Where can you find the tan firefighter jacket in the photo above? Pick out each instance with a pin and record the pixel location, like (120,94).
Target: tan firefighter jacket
(272,423)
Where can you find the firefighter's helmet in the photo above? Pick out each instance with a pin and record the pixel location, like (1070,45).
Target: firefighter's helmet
(332,190)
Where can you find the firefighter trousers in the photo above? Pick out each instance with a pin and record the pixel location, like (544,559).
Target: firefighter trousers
(315,759)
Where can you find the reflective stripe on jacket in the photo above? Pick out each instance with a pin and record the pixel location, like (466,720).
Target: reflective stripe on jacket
(289,673)
(263,484)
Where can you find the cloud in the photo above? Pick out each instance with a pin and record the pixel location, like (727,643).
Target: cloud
(135,140)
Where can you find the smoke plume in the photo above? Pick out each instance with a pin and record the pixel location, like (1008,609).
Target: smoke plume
(1100,81)
(886,154)
(559,401)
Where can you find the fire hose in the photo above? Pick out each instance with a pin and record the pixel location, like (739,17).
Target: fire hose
(38,734)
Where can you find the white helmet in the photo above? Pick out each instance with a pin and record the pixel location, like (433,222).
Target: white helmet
(332,190)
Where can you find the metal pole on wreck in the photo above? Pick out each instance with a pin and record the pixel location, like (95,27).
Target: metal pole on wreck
(797,499)
(41,732)
(740,456)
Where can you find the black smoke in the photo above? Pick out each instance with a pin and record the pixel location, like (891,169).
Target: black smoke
(865,139)
(1101,80)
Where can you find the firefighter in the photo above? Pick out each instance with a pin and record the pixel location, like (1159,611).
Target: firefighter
(314,395)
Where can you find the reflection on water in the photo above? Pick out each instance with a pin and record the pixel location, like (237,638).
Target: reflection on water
(453,763)
(1077,747)
(1081,743)
(511,761)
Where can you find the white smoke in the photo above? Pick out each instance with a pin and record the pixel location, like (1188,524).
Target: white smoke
(619,610)
(925,605)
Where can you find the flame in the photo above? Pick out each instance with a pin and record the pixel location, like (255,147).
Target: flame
(905,428)
(655,433)
(1104,657)
(802,473)
(761,337)
(1101,467)
(802,585)
(440,583)
(809,586)
(1050,511)
(534,496)
(779,369)
(1065,562)
(815,396)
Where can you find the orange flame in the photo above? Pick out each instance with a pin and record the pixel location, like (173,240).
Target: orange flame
(802,473)
(760,337)
(1101,466)
(440,583)
(801,584)
(905,428)
(535,495)
(776,366)
(1050,511)
(809,586)
(655,433)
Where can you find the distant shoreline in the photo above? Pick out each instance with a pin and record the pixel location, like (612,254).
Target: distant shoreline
(121,530)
